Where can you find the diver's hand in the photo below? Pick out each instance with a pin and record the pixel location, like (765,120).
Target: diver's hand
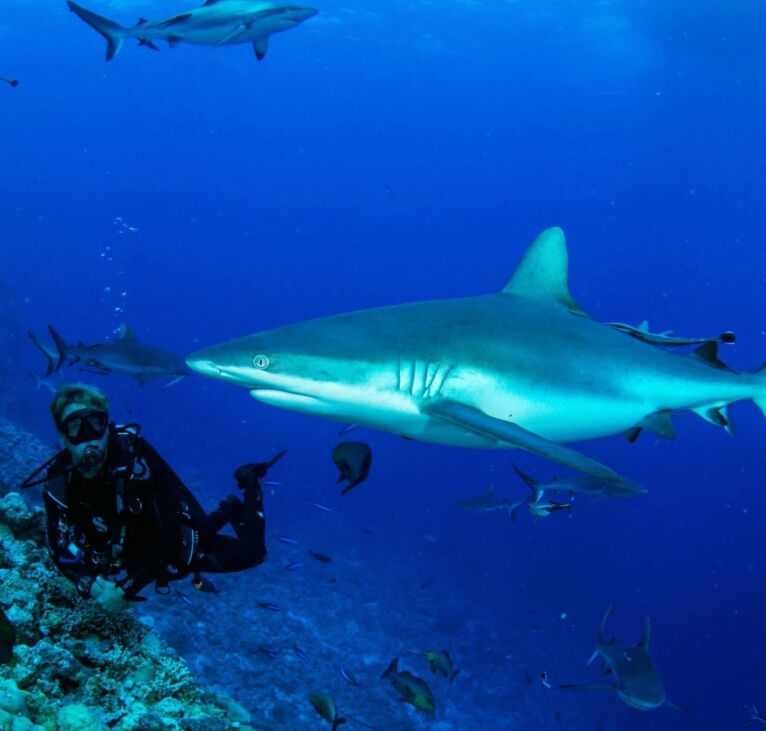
(110,596)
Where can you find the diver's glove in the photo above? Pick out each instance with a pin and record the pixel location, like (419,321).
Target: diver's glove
(249,476)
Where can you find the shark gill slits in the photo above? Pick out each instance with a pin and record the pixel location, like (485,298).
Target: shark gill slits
(261,361)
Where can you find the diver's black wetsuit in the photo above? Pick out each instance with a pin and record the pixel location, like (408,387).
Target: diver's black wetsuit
(160,533)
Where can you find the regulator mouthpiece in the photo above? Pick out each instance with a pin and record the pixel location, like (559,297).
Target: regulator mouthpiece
(92,457)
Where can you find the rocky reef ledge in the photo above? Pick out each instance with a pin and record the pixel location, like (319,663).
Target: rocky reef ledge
(74,666)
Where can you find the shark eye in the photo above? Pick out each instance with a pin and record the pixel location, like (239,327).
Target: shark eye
(261,361)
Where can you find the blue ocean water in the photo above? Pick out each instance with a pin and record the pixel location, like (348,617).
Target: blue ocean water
(401,151)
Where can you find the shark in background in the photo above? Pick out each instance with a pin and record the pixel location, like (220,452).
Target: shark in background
(585,485)
(668,339)
(215,23)
(524,368)
(635,677)
(488,502)
(126,356)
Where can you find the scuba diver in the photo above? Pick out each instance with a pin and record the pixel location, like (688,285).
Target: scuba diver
(119,518)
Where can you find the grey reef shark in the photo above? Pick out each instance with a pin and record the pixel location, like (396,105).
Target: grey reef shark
(523,368)
(634,676)
(215,23)
(126,356)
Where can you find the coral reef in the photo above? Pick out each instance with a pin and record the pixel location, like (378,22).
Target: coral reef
(78,668)
(20,452)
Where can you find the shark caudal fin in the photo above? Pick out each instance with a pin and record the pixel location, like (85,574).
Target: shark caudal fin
(61,349)
(531,483)
(760,401)
(113,32)
(601,634)
(52,355)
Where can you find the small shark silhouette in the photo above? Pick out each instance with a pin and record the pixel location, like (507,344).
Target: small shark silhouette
(636,679)
(125,356)
(489,503)
(668,339)
(581,485)
(215,23)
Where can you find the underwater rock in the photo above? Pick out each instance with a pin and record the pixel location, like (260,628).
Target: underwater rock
(20,453)
(76,667)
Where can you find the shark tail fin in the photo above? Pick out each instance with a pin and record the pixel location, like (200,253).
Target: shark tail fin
(61,349)
(601,638)
(113,32)
(52,355)
(760,401)
(531,483)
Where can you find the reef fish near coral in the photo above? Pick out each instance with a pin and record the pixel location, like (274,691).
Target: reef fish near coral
(414,690)
(324,705)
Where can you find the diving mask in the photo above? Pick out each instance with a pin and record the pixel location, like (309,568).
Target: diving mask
(85,425)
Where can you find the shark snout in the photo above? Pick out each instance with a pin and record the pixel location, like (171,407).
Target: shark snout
(303,12)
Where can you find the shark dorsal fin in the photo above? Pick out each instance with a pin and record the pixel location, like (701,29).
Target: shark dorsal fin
(543,272)
(125,332)
(643,326)
(646,634)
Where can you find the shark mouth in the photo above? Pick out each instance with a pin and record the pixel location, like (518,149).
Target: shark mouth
(286,399)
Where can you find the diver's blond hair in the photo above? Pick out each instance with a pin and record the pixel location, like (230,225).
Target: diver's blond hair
(90,396)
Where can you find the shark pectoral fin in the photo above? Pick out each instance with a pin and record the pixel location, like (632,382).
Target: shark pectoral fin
(477,421)
(260,47)
(543,272)
(593,686)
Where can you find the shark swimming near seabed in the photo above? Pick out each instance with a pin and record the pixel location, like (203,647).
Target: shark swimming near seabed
(488,502)
(524,368)
(215,23)
(126,356)
(634,674)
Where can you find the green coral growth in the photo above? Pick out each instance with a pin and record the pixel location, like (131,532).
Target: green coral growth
(76,667)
